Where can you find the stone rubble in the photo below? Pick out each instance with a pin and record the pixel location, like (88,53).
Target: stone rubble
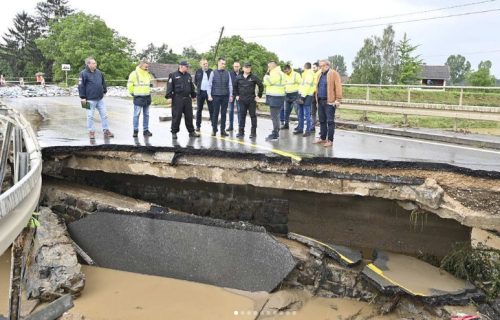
(56,91)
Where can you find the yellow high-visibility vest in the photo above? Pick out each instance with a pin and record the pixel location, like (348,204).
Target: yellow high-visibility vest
(292,82)
(275,82)
(139,82)
(308,86)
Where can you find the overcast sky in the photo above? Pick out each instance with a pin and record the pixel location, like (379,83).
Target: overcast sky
(198,23)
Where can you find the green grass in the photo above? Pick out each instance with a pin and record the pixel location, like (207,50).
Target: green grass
(471,97)
(481,266)
(413,121)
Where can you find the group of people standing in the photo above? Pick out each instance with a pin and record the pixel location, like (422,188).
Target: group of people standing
(317,90)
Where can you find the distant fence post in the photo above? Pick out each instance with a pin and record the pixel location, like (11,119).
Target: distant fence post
(461,96)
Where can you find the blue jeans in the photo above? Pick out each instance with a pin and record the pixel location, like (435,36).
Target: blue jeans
(101,108)
(286,110)
(219,104)
(326,115)
(145,118)
(231,113)
(304,114)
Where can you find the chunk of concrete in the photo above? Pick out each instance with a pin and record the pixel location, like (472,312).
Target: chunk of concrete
(396,273)
(343,255)
(54,269)
(223,256)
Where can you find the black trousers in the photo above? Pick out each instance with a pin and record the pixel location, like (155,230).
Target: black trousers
(200,101)
(250,106)
(182,105)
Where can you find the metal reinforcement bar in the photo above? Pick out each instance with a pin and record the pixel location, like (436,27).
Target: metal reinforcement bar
(18,203)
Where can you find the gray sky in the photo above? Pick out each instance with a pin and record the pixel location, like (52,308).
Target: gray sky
(198,24)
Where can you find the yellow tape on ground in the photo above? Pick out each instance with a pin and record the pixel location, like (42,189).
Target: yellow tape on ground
(256,146)
(377,270)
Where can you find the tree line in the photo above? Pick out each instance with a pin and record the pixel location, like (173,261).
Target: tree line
(56,35)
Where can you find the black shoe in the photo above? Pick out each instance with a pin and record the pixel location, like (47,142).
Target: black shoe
(272,137)
(298,132)
(240,134)
(147,133)
(285,127)
(198,129)
(194,134)
(223,134)
(136,132)
(306,134)
(214,133)
(253,134)
(230,129)
(313,129)
(174,136)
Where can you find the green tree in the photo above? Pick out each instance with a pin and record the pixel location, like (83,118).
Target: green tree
(337,62)
(367,65)
(20,51)
(482,77)
(387,49)
(234,48)
(409,65)
(50,10)
(459,68)
(161,54)
(80,35)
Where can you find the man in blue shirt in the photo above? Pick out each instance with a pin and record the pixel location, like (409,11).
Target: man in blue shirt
(92,88)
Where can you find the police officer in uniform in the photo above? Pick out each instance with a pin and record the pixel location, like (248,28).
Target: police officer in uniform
(244,91)
(181,89)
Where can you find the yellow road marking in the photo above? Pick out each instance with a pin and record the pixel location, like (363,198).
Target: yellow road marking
(375,269)
(329,247)
(256,146)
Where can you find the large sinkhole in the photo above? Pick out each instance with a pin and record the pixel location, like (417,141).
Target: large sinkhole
(363,222)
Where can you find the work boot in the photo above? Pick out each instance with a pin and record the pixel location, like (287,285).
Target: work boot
(194,134)
(285,127)
(240,134)
(223,134)
(108,134)
(136,132)
(253,134)
(147,133)
(174,135)
(92,135)
(272,137)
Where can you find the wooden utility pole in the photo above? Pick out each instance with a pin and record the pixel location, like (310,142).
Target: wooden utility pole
(217,46)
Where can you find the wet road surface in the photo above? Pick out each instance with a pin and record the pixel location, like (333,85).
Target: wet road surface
(61,121)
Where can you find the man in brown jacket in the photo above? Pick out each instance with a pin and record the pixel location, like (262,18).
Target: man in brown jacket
(328,96)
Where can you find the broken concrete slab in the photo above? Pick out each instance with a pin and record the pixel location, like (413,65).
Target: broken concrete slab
(343,255)
(226,257)
(54,269)
(395,274)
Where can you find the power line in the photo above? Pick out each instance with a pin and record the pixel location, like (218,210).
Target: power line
(367,19)
(373,25)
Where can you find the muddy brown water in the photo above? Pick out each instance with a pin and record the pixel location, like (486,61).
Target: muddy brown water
(111,294)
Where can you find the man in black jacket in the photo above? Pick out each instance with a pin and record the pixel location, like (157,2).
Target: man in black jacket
(244,91)
(92,88)
(181,89)
(201,81)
